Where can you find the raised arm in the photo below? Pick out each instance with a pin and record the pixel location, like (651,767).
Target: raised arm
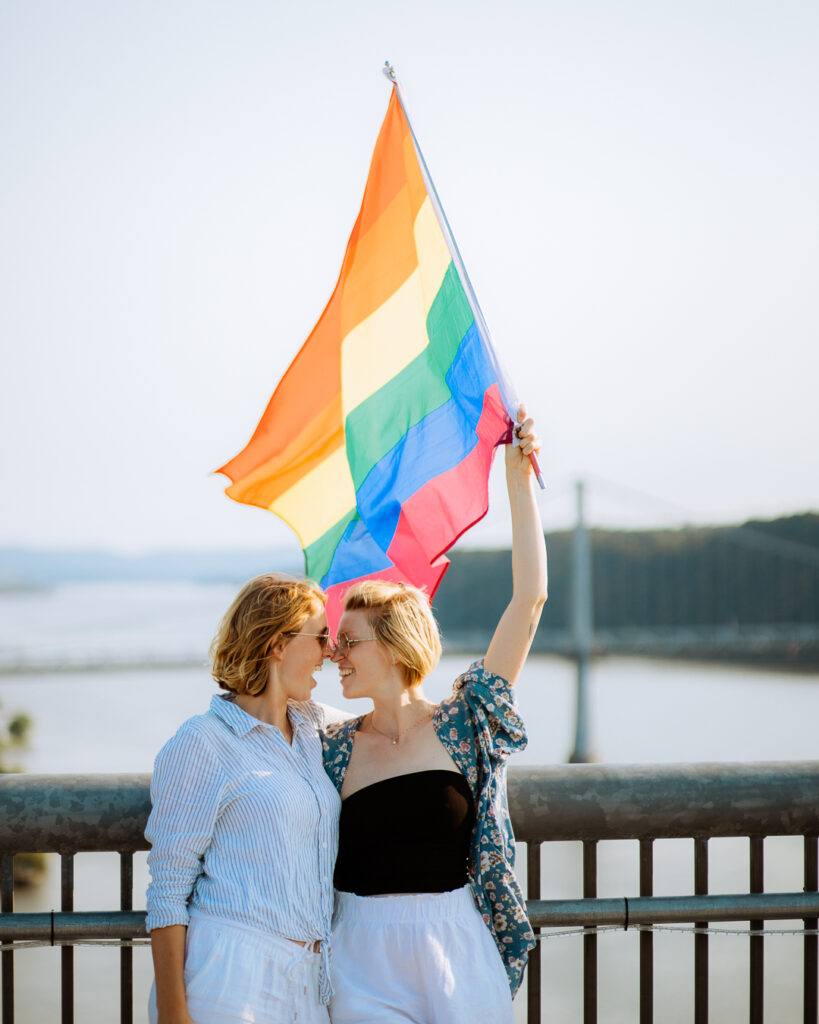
(516,629)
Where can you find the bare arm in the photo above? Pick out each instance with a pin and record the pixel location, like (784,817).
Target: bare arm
(516,629)
(168,950)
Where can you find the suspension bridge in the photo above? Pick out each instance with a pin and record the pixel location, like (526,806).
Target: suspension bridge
(747,593)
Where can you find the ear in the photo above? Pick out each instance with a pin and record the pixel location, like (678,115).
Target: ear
(276,646)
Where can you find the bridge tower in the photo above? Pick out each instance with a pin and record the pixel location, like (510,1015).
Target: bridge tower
(582,626)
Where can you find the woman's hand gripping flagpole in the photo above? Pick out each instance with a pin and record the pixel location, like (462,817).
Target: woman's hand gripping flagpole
(531,447)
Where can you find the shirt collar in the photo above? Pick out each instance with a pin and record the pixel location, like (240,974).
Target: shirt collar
(241,723)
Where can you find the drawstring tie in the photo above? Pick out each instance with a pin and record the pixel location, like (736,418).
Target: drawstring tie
(305,952)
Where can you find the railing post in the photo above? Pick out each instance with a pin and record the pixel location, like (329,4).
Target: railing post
(7,907)
(757,963)
(646,937)
(810,924)
(126,954)
(590,936)
(701,941)
(67,952)
(534,978)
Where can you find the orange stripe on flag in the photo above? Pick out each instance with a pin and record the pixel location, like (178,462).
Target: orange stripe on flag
(388,172)
(312,381)
(392,198)
(317,440)
(368,278)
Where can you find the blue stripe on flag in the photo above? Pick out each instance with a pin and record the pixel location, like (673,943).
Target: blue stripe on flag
(356,555)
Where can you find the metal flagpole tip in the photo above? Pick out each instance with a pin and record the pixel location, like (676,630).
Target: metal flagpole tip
(389,72)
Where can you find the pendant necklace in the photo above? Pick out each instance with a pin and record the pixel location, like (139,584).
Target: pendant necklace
(394,739)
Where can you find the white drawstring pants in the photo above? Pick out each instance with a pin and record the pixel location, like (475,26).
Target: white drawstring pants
(417,959)
(238,975)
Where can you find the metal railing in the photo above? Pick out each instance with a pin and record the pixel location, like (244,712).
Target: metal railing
(586,803)
(591,803)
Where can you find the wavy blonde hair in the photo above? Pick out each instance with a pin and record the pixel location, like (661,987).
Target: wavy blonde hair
(266,606)
(402,620)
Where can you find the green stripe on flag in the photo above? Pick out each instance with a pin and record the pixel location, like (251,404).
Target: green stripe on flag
(318,556)
(377,425)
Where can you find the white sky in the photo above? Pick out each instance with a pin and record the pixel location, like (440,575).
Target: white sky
(633,186)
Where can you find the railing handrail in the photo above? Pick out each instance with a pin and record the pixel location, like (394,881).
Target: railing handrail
(665,801)
(74,813)
(610,912)
(85,813)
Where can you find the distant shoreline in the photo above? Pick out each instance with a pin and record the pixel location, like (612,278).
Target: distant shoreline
(466,648)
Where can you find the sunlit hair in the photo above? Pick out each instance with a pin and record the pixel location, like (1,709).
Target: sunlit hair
(264,607)
(402,620)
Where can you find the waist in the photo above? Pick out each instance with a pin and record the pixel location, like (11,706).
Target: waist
(291,952)
(386,865)
(260,939)
(313,945)
(295,909)
(406,908)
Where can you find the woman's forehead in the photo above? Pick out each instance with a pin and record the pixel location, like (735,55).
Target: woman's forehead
(354,620)
(318,618)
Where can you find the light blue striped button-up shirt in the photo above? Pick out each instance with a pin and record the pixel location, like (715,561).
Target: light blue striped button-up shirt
(244,826)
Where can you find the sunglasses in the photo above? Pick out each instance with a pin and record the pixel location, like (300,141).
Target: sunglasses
(344,643)
(341,646)
(327,645)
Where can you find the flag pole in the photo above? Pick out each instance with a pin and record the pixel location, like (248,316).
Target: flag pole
(507,389)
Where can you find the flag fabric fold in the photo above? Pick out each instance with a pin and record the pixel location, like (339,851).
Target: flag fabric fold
(377,443)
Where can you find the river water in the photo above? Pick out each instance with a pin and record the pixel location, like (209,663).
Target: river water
(641,711)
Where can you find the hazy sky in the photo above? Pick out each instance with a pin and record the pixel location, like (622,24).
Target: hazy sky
(633,186)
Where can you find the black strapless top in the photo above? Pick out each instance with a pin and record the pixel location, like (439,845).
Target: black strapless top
(409,833)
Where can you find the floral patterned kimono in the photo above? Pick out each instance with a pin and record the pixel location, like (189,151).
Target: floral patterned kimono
(480,727)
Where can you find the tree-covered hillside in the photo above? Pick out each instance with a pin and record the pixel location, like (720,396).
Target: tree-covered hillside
(757,573)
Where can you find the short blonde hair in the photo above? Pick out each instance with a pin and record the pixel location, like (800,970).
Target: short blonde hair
(265,606)
(402,620)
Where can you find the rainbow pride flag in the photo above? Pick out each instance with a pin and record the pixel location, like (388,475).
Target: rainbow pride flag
(377,443)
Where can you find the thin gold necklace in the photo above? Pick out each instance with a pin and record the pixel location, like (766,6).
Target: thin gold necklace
(394,739)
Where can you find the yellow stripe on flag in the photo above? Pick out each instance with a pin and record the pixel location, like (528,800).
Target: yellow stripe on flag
(319,500)
(433,255)
(379,348)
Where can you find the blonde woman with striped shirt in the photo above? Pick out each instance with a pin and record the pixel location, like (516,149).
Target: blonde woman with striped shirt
(244,827)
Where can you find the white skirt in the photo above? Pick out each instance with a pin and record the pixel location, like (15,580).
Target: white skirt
(235,974)
(425,959)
